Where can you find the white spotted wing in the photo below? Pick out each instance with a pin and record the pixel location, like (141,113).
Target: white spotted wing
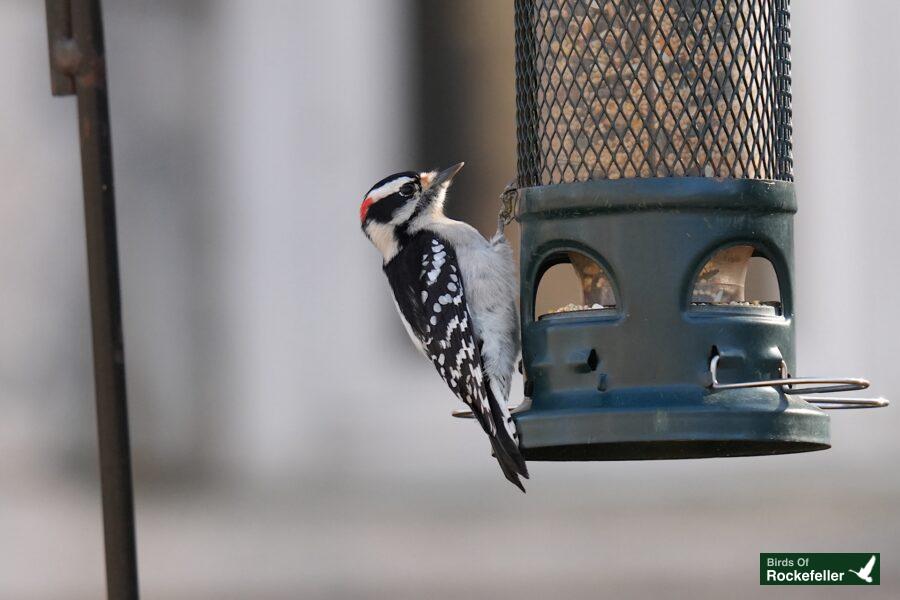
(448,335)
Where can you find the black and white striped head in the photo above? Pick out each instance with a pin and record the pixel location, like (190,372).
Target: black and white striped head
(395,203)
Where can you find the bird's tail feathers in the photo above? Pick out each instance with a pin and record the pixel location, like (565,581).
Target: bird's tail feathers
(500,449)
(506,436)
(507,465)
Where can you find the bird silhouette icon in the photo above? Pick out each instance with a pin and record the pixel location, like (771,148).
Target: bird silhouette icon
(866,572)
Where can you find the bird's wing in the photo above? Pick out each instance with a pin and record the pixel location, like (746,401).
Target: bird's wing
(403,275)
(867,570)
(449,336)
(450,343)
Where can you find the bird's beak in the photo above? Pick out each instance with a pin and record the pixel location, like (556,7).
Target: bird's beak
(445,176)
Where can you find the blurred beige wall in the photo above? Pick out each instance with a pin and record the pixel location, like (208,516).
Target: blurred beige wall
(846,127)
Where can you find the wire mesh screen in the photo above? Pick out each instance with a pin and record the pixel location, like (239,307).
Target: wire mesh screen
(607,89)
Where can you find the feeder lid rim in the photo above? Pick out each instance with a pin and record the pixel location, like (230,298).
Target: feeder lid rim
(660,193)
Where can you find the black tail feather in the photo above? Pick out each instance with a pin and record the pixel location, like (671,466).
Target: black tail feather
(507,465)
(506,449)
(510,446)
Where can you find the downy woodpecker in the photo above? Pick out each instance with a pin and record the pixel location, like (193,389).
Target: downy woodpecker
(455,292)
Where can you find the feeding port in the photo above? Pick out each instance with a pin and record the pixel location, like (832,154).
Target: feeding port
(574,283)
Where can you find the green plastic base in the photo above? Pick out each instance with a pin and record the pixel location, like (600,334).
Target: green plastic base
(674,422)
(630,382)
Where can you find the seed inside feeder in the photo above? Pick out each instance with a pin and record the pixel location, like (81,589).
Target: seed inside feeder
(575,283)
(572,307)
(722,279)
(596,288)
(734,277)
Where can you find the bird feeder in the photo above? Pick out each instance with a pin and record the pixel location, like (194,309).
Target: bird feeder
(654,156)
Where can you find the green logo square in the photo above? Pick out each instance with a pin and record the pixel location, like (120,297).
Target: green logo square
(810,568)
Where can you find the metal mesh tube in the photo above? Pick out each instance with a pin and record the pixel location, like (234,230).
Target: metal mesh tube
(607,89)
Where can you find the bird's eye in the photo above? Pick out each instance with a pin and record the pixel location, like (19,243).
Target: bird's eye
(407,190)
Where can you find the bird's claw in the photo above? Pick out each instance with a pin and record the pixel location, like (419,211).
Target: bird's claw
(465,413)
(523,406)
(508,200)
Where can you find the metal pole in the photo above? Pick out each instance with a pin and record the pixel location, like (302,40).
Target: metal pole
(77,66)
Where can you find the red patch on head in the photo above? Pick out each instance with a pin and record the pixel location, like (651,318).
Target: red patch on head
(364,208)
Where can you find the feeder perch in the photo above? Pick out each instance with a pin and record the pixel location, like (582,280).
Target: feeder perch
(654,156)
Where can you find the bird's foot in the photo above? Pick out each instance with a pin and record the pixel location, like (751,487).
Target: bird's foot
(465,413)
(522,406)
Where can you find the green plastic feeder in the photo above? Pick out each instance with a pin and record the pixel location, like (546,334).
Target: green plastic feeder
(634,381)
(651,137)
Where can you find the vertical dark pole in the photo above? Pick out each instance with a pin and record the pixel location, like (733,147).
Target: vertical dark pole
(77,66)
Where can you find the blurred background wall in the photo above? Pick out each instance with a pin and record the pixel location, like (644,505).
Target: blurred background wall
(288,442)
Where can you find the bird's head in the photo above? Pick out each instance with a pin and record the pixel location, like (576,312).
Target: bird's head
(401,203)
